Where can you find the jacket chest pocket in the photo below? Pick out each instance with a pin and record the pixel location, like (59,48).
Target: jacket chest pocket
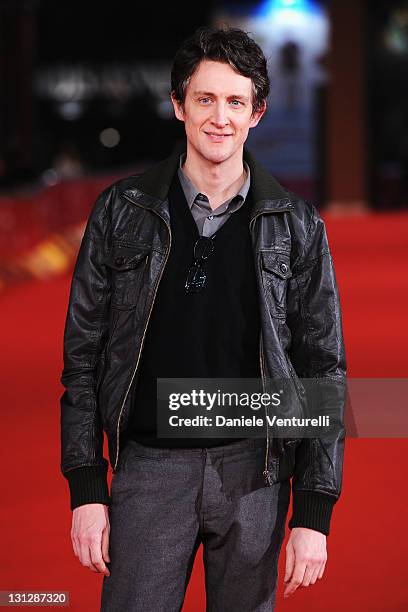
(127,265)
(275,270)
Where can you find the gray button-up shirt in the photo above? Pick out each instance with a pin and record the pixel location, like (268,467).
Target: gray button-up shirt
(209,221)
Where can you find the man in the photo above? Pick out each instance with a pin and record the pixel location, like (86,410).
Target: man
(203,266)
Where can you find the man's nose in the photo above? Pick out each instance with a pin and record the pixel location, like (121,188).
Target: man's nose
(220,116)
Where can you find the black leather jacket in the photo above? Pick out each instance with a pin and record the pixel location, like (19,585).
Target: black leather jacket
(120,262)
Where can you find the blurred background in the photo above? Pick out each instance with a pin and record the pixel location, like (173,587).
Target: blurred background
(84,100)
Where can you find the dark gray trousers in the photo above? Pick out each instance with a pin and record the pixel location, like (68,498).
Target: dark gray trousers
(165,502)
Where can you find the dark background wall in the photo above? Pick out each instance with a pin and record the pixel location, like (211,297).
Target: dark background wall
(117,56)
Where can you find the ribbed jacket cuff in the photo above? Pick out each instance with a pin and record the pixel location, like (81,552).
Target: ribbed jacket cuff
(312,510)
(88,485)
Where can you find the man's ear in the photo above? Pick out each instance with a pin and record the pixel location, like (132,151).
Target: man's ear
(257,115)
(178,109)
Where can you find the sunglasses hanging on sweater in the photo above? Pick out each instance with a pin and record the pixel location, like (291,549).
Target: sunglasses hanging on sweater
(196,276)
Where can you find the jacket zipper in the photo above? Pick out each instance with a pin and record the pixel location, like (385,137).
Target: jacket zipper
(266,473)
(144,331)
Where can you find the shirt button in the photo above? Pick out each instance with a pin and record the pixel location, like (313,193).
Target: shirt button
(210,217)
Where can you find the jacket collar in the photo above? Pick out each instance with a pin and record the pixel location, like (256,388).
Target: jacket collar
(150,189)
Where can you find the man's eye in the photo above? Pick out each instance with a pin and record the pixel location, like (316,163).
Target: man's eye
(236,102)
(204,100)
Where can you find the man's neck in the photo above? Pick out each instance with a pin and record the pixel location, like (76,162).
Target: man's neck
(218,181)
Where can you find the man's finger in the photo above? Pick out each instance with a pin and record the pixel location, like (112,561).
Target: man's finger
(310,569)
(297,578)
(85,556)
(321,571)
(315,574)
(96,556)
(290,563)
(105,544)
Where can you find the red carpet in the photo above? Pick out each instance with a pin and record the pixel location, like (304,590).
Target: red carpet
(367,564)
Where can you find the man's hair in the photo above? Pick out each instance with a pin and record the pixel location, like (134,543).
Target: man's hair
(228,45)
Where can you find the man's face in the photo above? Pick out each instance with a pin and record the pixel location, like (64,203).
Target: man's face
(217,111)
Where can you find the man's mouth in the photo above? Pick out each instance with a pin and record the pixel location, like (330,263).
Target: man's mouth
(217,137)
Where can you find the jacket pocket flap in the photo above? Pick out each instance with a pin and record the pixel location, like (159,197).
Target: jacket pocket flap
(279,263)
(126,258)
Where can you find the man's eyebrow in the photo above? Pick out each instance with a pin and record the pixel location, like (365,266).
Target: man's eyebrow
(210,93)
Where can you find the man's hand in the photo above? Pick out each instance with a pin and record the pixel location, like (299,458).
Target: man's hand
(306,558)
(90,536)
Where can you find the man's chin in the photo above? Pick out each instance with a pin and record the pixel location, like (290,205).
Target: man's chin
(217,156)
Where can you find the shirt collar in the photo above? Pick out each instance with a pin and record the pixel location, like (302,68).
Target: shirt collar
(191,192)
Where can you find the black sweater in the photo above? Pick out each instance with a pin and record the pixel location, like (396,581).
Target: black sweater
(214,333)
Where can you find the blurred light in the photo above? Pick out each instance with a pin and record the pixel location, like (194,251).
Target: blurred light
(49,177)
(396,32)
(109,137)
(271,7)
(120,82)
(70,110)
